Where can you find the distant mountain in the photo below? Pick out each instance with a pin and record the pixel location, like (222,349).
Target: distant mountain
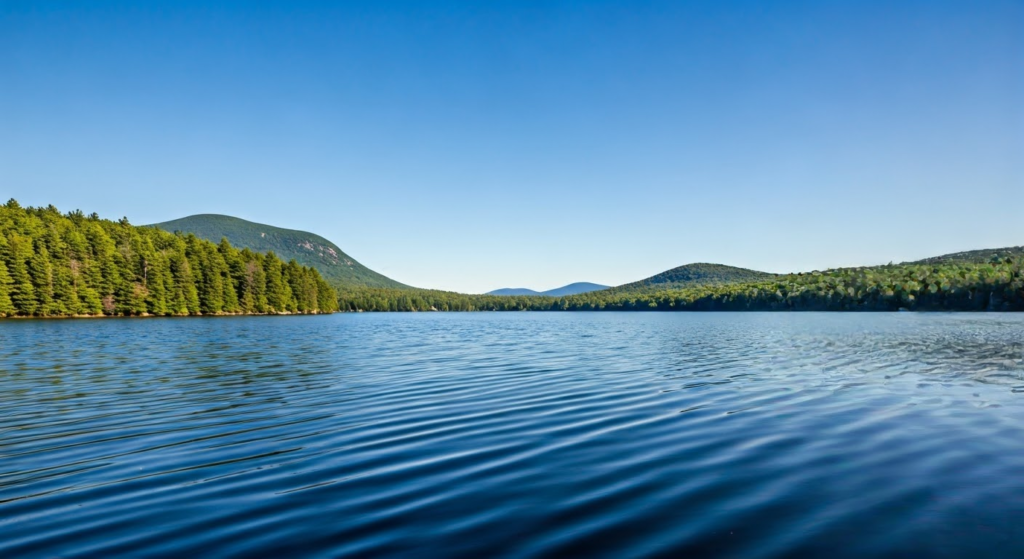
(691,275)
(974,256)
(513,291)
(574,289)
(571,289)
(337,268)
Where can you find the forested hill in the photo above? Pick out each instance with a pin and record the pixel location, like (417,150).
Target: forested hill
(692,275)
(952,286)
(680,277)
(54,264)
(338,268)
(975,256)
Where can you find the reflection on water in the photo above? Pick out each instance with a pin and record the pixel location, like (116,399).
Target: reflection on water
(612,434)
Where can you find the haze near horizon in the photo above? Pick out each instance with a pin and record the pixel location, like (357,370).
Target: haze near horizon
(473,147)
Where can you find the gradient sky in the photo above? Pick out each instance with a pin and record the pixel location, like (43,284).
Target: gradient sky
(472,146)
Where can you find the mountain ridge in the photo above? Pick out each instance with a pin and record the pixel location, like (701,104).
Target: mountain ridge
(309,249)
(976,256)
(575,288)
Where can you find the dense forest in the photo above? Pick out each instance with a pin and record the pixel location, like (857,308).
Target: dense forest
(997,285)
(383,299)
(690,275)
(54,264)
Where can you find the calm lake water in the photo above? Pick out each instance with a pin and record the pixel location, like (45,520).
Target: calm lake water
(514,434)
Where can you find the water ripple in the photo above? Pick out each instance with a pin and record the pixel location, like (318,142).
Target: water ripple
(605,434)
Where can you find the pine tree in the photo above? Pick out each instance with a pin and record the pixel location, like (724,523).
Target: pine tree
(54,264)
(23,293)
(158,283)
(6,305)
(279,292)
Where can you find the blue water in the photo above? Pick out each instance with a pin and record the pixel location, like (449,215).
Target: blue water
(514,434)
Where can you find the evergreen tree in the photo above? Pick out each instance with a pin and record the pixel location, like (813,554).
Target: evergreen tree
(41,273)
(6,305)
(53,264)
(279,292)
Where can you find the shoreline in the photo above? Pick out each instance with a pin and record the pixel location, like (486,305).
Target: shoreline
(148,315)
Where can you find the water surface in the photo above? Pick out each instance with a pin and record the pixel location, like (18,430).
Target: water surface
(514,434)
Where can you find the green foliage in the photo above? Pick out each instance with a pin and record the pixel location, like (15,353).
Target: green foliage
(983,256)
(692,275)
(336,267)
(6,305)
(383,299)
(989,286)
(59,265)
(65,265)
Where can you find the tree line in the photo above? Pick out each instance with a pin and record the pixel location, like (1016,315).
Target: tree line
(54,264)
(997,285)
(381,299)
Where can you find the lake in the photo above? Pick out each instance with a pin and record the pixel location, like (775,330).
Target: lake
(514,434)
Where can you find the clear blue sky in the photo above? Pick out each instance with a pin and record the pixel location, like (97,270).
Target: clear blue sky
(471,146)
